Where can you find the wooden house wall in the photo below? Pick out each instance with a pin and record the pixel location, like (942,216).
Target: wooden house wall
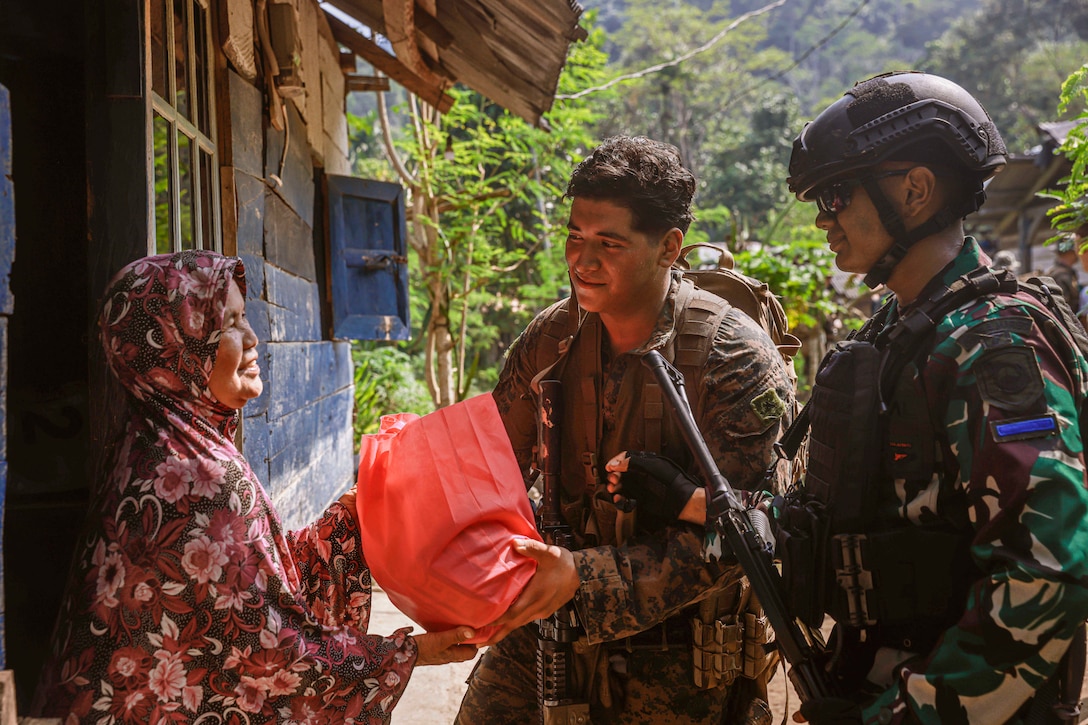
(298,434)
(79,157)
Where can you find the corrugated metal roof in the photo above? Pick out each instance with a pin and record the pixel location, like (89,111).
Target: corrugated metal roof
(510,51)
(1012,200)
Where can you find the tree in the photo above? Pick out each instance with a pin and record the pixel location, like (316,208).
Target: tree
(1071,213)
(1012,55)
(481,189)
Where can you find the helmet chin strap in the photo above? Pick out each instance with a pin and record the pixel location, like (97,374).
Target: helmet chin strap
(904,240)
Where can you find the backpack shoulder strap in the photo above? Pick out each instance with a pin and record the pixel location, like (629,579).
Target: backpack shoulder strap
(901,339)
(560,324)
(699,314)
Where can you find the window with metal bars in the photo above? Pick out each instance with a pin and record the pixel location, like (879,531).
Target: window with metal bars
(183,154)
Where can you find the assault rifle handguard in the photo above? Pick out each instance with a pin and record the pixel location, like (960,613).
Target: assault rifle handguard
(559,704)
(727,516)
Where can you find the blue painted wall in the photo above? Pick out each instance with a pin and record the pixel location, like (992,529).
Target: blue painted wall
(297,436)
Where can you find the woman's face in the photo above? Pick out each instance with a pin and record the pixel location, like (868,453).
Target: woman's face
(236,376)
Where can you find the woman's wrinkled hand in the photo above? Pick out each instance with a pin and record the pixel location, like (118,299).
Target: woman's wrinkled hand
(439,648)
(554,583)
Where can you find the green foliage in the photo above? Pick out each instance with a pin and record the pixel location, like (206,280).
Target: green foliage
(1071,213)
(484,193)
(385,383)
(1013,56)
(748,161)
(488,233)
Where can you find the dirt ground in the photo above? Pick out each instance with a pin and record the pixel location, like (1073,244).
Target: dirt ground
(782,699)
(434,693)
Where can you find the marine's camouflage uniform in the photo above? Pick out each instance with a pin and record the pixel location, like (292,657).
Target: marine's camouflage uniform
(626,589)
(1022,503)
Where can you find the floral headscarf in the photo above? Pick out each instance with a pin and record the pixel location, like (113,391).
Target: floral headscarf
(187,599)
(160,325)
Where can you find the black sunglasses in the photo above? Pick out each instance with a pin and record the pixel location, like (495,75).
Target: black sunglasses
(835,197)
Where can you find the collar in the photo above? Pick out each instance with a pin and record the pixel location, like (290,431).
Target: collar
(667,319)
(969,258)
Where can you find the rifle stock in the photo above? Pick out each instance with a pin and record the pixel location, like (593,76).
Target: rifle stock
(556,634)
(727,514)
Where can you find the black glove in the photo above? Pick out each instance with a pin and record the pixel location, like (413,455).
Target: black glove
(831,711)
(657,483)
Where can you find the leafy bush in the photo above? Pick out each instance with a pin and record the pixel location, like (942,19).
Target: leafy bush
(385,383)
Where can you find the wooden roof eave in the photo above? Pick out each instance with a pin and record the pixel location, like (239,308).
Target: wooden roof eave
(430,90)
(1050,175)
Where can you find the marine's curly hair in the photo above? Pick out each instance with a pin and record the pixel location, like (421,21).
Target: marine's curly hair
(642,175)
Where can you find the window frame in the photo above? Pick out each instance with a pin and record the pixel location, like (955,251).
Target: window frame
(178,124)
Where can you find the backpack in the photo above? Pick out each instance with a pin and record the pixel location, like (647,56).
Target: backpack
(749,295)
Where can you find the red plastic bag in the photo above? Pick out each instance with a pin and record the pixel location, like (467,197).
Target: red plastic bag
(441,501)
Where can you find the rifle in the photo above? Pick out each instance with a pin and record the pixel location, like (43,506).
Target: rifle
(556,634)
(727,518)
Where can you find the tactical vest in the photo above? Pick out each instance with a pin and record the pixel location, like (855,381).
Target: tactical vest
(729,632)
(570,350)
(870,425)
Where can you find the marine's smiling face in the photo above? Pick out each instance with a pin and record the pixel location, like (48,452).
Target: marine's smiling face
(614,268)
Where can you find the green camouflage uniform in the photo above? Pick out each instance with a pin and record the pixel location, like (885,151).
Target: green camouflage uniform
(1022,502)
(659,573)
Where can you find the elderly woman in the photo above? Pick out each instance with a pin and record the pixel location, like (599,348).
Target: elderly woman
(187,599)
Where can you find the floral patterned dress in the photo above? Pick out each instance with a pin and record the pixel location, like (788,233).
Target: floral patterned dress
(187,601)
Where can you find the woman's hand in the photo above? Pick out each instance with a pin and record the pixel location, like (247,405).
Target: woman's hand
(439,648)
(349,500)
(554,583)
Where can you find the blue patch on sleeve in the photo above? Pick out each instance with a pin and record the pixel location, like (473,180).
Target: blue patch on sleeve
(1024,428)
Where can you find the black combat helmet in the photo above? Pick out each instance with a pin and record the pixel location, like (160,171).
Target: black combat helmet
(900,116)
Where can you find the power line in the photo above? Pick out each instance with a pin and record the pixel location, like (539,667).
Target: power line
(715,40)
(677,61)
(801,59)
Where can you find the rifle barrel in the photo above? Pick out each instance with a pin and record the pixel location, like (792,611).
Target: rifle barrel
(725,510)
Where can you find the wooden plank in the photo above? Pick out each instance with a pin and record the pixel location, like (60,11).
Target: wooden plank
(119,222)
(400,27)
(7,693)
(369,51)
(255,443)
(257,311)
(310,43)
(229,210)
(238,40)
(246,125)
(334,113)
(294,307)
(249,194)
(124,79)
(300,373)
(311,461)
(7,205)
(288,241)
(8,715)
(296,171)
(426,22)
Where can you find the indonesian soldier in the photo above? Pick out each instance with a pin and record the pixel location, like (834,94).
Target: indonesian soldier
(642,593)
(959,517)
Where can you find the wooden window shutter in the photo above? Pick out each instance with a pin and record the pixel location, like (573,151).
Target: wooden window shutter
(368,259)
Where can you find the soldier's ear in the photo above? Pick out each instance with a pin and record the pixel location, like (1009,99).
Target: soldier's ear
(670,247)
(920,192)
